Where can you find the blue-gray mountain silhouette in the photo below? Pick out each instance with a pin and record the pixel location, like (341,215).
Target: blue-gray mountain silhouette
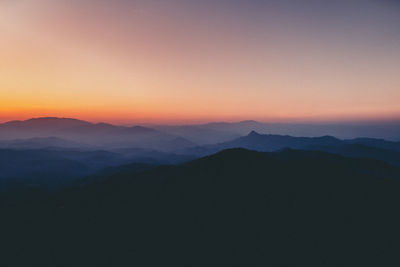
(101,135)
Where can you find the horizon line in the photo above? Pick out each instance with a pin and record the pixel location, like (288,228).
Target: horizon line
(300,121)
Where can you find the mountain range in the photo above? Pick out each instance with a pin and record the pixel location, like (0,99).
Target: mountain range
(56,151)
(158,136)
(217,132)
(99,135)
(360,147)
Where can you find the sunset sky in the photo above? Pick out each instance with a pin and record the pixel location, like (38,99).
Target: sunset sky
(176,61)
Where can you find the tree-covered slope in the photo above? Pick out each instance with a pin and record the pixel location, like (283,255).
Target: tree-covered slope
(292,208)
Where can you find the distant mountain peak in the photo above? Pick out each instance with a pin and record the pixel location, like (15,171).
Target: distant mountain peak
(253,133)
(51,119)
(54,121)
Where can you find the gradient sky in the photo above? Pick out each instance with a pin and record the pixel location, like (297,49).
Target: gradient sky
(187,61)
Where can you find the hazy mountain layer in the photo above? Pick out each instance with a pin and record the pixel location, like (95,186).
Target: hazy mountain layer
(100,135)
(48,168)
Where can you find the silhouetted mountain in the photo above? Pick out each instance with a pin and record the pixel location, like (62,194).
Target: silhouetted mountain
(386,130)
(218,132)
(98,135)
(38,127)
(238,207)
(360,147)
(269,142)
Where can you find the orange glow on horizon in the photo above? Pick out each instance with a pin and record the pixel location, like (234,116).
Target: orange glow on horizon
(153,117)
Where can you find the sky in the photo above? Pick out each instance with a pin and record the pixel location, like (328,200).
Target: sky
(176,61)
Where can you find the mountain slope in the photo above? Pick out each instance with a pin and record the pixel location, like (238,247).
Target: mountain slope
(378,143)
(292,208)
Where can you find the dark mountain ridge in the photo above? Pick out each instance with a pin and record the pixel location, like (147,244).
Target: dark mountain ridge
(237,207)
(361,147)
